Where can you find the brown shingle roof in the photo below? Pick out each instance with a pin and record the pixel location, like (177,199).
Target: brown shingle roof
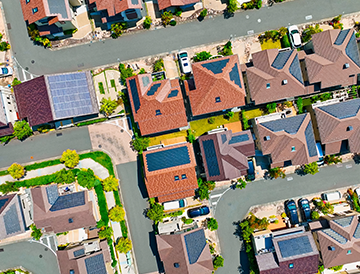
(162,165)
(263,73)
(114,7)
(6,130)
(232,152)
(163,4)
(212,80)
(148,99)
(327,64)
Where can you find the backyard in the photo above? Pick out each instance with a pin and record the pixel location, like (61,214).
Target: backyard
(157,140)
(250,114)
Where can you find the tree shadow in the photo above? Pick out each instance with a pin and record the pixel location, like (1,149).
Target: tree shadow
(300,172)
(243,268)
(356,158)
(238,231)
(228,15)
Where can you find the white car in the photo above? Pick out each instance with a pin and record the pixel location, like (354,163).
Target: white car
(5,71)
(294,35)
(184,62)
(175,204)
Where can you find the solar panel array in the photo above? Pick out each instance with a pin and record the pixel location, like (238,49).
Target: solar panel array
(235,76)
(154,88)
(344,222)
(216,66)
(195,243)
(210,157)
(239,139)
(58,6)
(168,158)
(69,201)
(11,220)
(223,138)
(352,50)
(341,37)
(3,202)
(295,246)
(70,95)
(295,69)
(343,110)
(336,236)
(173,93)
(79,252)
(52,194)
(281,59)
(134,94)
(290,125)
(357,231)
(310,140)
(95,265)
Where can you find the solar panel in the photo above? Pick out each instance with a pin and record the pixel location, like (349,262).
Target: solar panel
(69,201)
(336,236)
(295,69)
(195,243)
(134,94)
(281,59)
(168,158)
(211,159)
(234,75)
(79,252)
(310,140)
(343,110)
(344,222)
(341,37)
(153,89)
(352,50)
(3,202)
(290,125)
(52,194)
(295,246)
(223,138)
(95,264)
(173,93)
(216,66)
(357,231)
(11,220)
(239,139)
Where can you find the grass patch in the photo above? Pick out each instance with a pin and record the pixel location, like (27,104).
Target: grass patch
(117,198)
(270,44)
(91,122)
(100,157)
(112,82)
(307,102)
(199,127)
(250,114)
(157,140)
(285,43)
(102,203)
(43,164)
(124,230)
(4,172)
(101,88)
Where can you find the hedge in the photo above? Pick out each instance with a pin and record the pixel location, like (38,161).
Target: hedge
(124,230)
(117,198)
(91,122)
(285,42)
(43,164)
(101,88)
(112,253)
(102,203)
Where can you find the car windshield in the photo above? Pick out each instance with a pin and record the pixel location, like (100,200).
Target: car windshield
(181,203)
(294,31)
(292,207)
(4,70)
(305,205)
(186,64)
(183,55)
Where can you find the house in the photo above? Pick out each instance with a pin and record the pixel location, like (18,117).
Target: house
(59,99)
(183,4)
(156,106)
(115,11)
(185,252)
(225,154)
(339,125)
(59,213)
(274,75)
(286,251)
(6,110)
(287,140)
(88,257)
(334,60)
(51,17)
(12,220)
(170,172)
(217,86)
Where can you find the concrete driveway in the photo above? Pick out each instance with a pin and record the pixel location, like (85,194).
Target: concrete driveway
(33,256)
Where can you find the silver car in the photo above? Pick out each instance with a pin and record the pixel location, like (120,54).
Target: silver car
(184,62)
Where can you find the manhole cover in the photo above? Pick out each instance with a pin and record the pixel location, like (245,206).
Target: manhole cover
(100,146)
(58,134)
(32,61)
(26,68)
(46,249)
(40,256)
(8,25)
(121,130)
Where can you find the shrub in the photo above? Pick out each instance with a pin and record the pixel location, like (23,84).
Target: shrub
(285,42)
(22,130)
(64,176)
(91,122)
(86,178)
(218,262)
(8,187)
(123,245)
(117,29)
(308,32)
(6,139)
(204,189)
(203,13)
(187,221)
(124,230)
(212,224)
(105,232)
(277,172)
(70,158)
(336,268)
(101,88)
(36,232)
(288,104)
(147,22)
(108,106)
(241,184)
(16,171)
(311,168)
(299,104)
(202,56)
(166,17)
(271,107)
(325,96)
(229,115)
(332,159)
(117,214)
(227,50)
(4,46)
(190,137)
(15,82)
(211,120)
(232,6)
(315,215)
(283,215)
(125,72)
(155,212)
(178,12)
(110,183)
(142,71)
(140,143)
(159,65)
(172,23)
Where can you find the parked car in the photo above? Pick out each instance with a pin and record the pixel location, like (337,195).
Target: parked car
(184,62)
(291,212)
(331,196)
(251,171)
(5,71)
(294,35)
(305,210)
(198,211)
(320,154)
(174,204)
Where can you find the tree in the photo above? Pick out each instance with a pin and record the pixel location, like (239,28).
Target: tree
(15,82)
(300,106)
(190,137)
(218,262)
(117,29)
(159,65)
(117,214)
(4,46)
(307,33)
(142,71)
(147,22)
(311,168)
(241,184)
(202,56)
(283,31)
(166,17)
(64,176)
(277,172)
(22,130)
(155,212)
(124,245)
(105,232)
(140,143)
(212,224)
(204,189)
(271,107)
(229,115)
(232,6)
(36,232)
(86,178)
(70,158)
(203,13)
(110,183)
(108,106)
(16,171)
(315,215)
(125,72)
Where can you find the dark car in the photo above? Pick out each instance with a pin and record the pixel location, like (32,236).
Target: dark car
(198,211)
(305,210)
(291,212)
(251,171)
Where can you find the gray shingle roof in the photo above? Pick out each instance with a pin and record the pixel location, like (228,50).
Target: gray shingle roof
(290,125)
(344,109)
(69,201)
(336,236)
(344,222)
(310,140)
(281,59)
(11,220)
(295,69)
(95,265)
(195,243)
(352,50)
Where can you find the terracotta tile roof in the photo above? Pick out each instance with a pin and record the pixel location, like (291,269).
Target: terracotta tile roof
(336,59)
(275,75)
(288,139)
(156,106)
(185,253)
(163,4)
(225,154)
(338,122)
(161,166)
(114,7)
(219,85)
(340,244)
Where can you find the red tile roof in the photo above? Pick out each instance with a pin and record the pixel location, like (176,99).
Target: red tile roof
(163,96)
(210,86)
(163,4)
(114,7)
(161,183)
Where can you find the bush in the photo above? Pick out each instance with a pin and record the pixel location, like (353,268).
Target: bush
(332,159)
(123,245)
(64,176)
(124,230)
(277,172)
(142,71)
(15,82)
(36,232)
(212,224)
(178,12)
(108,106)
(86,178)
(202,56)
(110,183)
(285,43)
(22,130)
(211,120)
(16,171)
(232,6)
(300,106)
(229,115)
(8,187)
(315,215)
(336,268)
(307,33)
(241,184)
(311,168)
(172,23)
(155,212)
(105,232)
(6,139)
(175,214)
(227,50)
(101,88)
(125,72)
(218,262)
(117,29)
(4,46)
(91,122)
(140,143)
(271,107)
(187,221)
(166,17)
(117,214)
(204,189)
(159,65)
(70,158)
(190,137)
(203,13)
(147,22)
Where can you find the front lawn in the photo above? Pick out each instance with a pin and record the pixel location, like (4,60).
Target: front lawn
(157,140)
(250,114)
(270,44)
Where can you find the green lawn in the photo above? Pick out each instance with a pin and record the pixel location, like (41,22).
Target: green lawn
(249,114)
(270,44)
(101,88)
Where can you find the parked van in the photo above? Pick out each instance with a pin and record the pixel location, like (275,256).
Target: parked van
(174,204)
(331,196)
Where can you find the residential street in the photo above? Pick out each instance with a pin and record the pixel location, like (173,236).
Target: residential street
(40,61)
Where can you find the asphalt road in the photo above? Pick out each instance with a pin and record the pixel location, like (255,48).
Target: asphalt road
(234,205)
(33,256)
(40,61)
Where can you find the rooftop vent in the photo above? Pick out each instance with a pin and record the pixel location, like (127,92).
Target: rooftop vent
(71,220)
(176,265)
(349,128)
(284,82)
(331,248)
(266,138)
(347,65)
